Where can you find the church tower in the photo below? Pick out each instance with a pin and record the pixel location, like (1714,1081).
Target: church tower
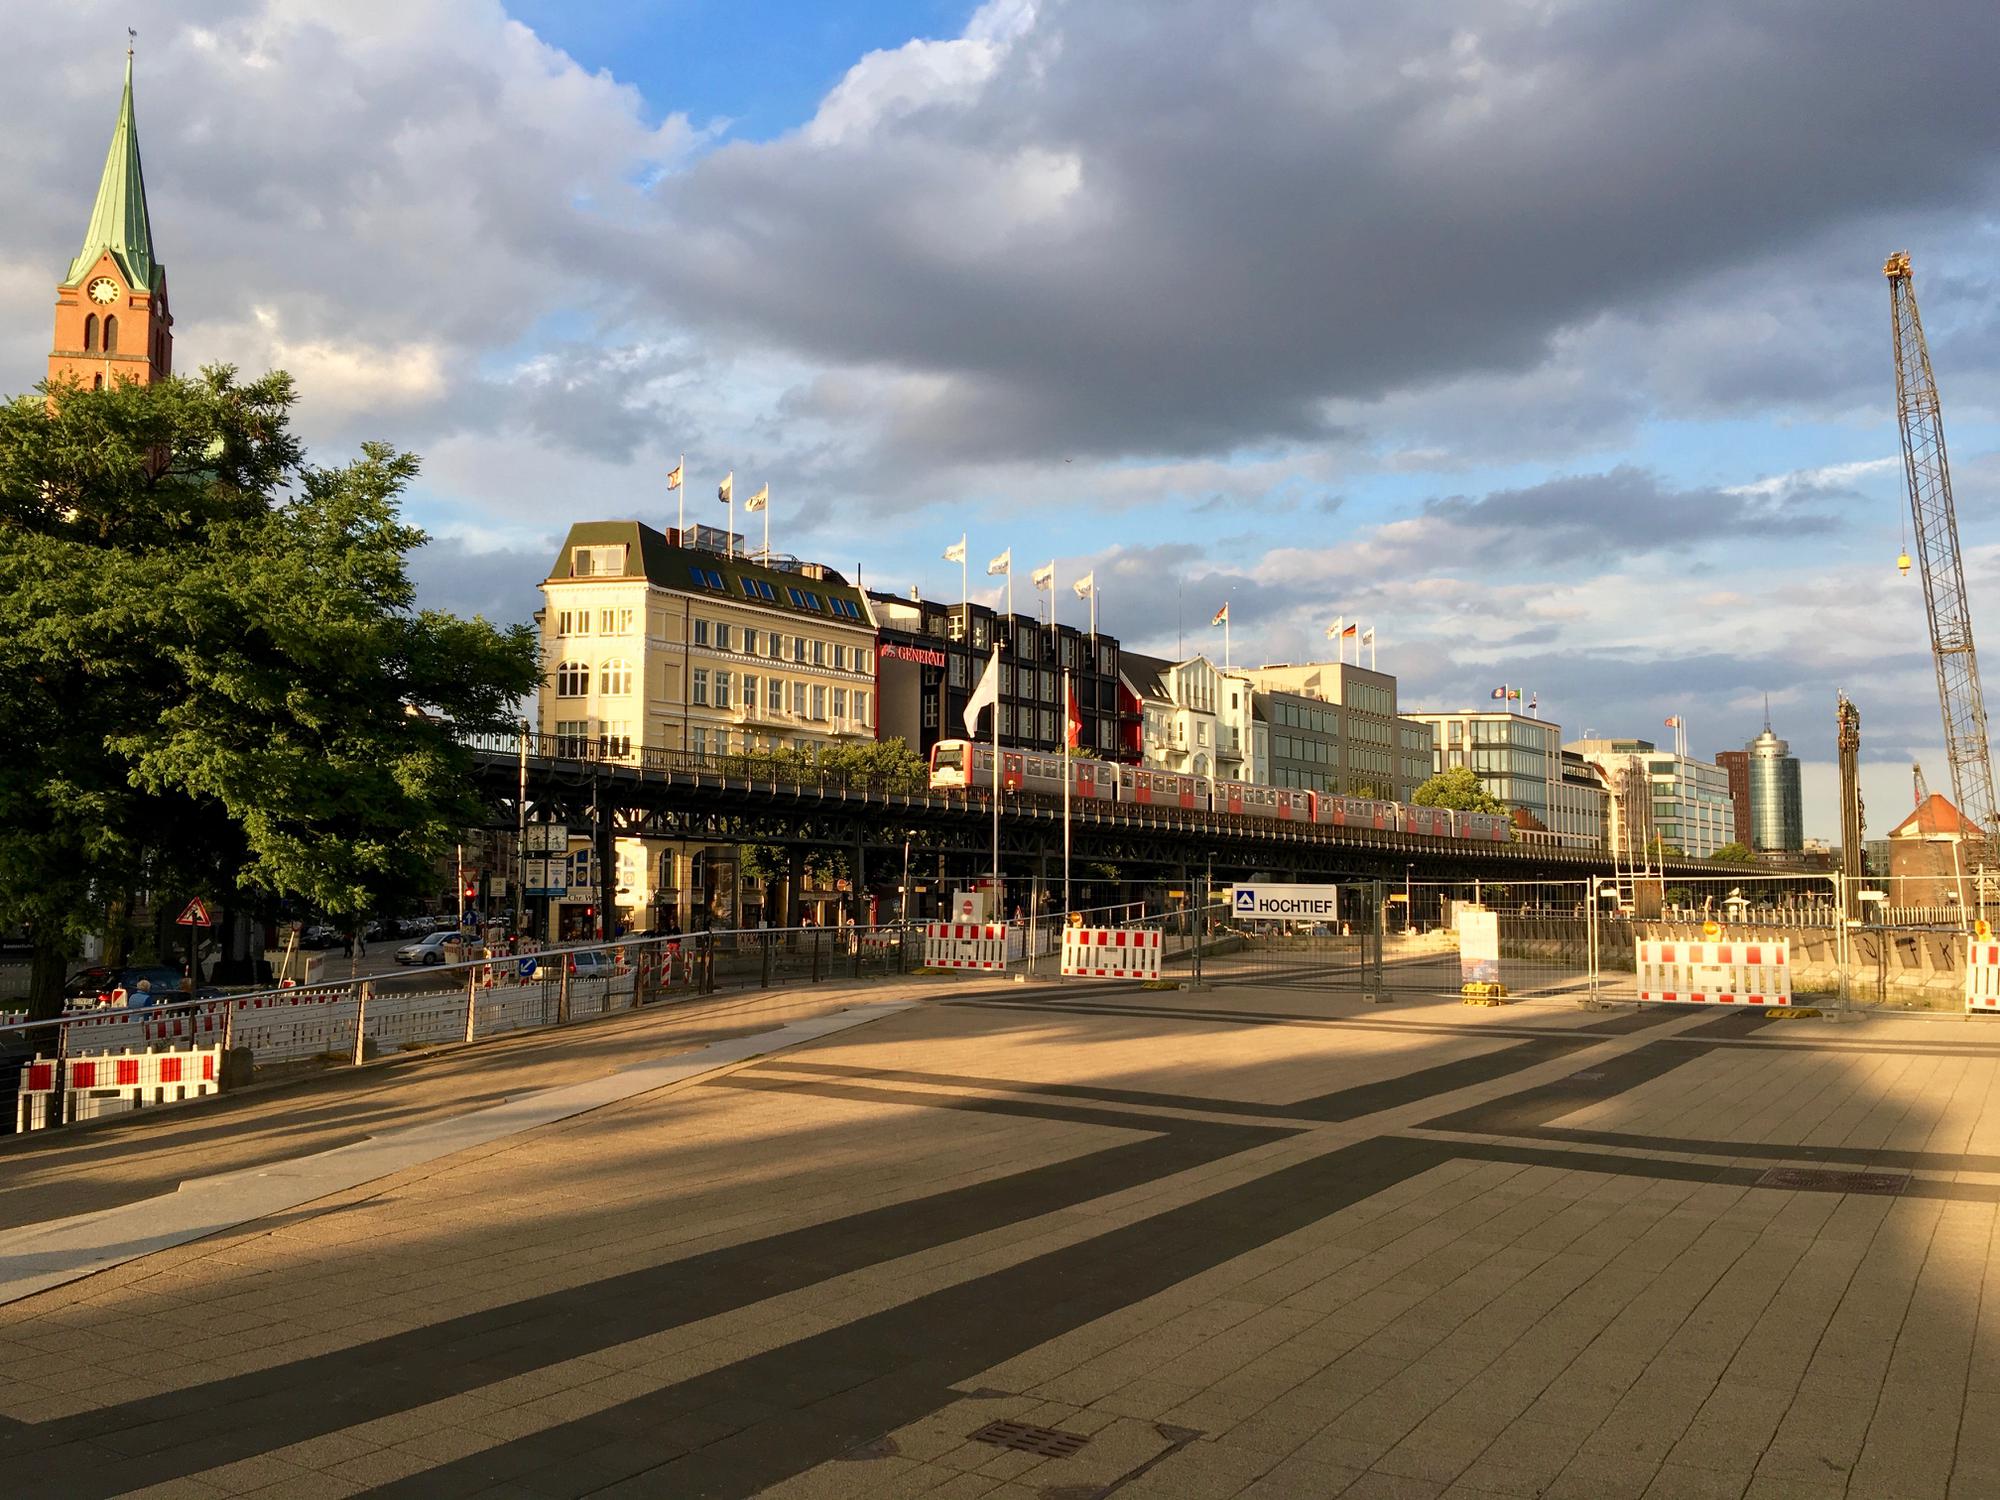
(112,322)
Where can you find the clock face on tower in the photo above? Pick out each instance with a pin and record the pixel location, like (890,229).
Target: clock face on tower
(104,289)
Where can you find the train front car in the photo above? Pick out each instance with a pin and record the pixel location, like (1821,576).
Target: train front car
(952,765)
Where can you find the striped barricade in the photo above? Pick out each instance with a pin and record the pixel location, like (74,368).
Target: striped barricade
(119,1082)
(1715,973)
(965,945)
(1982,975)
(35,1094)
(1111,952)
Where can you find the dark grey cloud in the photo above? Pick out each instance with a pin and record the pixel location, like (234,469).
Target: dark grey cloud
(501,584)
(1587,520)
(1266,206)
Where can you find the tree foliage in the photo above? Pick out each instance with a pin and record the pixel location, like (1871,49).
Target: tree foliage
(1458,789)
(219,681)
(1734,854)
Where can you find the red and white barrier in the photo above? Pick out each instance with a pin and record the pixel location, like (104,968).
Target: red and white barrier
(965,945)
(1982,974)
(114,1083)
(1111,952)
(36,1094)
(1715,973)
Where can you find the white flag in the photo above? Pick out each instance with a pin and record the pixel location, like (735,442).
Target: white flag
(986,695)
(1086,585)
(955,552)
(1368,635)
(1004,563)
(759,500)
(727,488)
(1333,630)
(1043,577)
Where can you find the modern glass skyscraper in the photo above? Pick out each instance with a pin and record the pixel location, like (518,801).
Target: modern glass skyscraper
(1777,811)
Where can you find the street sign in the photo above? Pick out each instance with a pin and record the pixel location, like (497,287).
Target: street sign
(545,878)
(1285,903)
(195,915)
(525,967)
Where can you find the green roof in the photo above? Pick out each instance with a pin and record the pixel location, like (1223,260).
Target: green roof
(119,222)
(652,555)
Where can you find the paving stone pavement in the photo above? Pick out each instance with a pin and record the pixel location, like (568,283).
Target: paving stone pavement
(1258,1243)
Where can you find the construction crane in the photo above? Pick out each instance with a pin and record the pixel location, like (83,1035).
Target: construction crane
(1936,524)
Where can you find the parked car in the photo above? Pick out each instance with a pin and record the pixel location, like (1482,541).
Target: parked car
(437,948)
(320,935)
(590,964)
(88,984)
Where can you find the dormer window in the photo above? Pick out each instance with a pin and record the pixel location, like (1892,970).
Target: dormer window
(597,562)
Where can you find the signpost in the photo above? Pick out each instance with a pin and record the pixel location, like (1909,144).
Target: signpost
(193,915)
(1285,903)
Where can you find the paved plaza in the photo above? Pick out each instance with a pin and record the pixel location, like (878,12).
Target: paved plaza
(1025,1243)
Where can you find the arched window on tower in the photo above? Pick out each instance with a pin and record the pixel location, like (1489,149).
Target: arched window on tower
(110,334)
(90,334)
(97,382)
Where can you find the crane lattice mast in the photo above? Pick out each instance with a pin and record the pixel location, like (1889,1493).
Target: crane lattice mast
(1928,473)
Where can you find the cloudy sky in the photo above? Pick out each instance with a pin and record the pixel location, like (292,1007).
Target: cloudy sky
(1547,336)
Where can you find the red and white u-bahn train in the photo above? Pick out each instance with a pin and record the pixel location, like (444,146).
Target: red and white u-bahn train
(956,764)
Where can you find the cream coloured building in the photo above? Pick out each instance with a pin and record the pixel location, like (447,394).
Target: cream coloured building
(657,653)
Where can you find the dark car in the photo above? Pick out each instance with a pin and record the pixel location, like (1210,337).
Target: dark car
(88,984)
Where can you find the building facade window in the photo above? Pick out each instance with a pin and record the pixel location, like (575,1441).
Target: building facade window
(700,631)
(698,686)
(723,635)
(774,695)
(751,702)
(573,679)
(799,700)
(572,736)
(724,689)
(615,678)
(818,701)
(110,335)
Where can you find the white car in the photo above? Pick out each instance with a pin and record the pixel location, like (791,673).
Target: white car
(438,948)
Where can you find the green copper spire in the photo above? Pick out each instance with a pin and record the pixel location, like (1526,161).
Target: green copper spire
(119,222)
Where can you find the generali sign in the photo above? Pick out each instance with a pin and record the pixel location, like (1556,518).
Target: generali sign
(923,656)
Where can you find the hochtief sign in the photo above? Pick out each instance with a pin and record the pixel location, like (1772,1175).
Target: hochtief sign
(1285,903)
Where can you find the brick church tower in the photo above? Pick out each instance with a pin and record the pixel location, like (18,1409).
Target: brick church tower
(112,321)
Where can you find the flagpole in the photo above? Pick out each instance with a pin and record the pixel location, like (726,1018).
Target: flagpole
(767,525)
(999,891)
(1371,648)
(681,524)
(1067,725)
(1225,638)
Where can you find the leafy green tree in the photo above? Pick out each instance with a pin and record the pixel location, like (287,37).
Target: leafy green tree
(1458,789)
(1734,854)
(225,686)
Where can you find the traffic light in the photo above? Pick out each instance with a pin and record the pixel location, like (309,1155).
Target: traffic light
(471,890)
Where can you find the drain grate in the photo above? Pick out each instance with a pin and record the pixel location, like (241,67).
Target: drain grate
(1821,1180)
(1043,1441)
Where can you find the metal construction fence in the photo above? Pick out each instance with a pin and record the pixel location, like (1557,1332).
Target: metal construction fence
(341,1022)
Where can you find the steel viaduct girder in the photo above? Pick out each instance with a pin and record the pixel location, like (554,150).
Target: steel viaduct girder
(705,806)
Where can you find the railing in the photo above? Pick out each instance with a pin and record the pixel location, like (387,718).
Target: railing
(347,1021)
